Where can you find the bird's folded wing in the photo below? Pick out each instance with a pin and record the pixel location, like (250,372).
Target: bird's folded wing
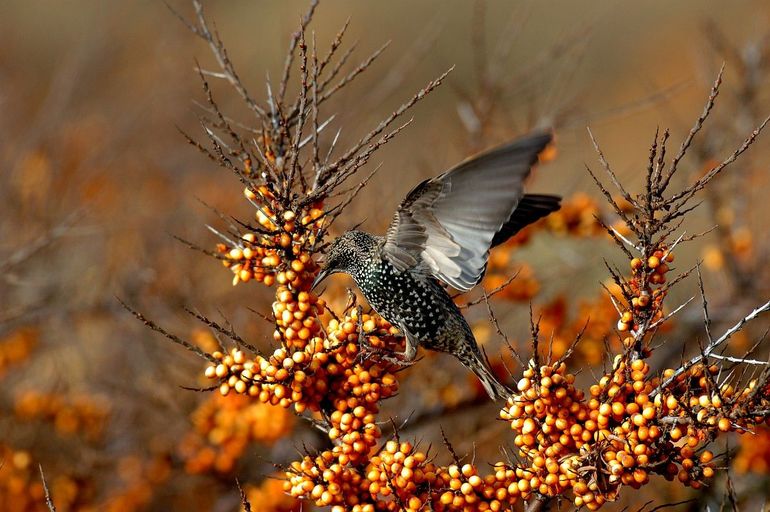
(449,222)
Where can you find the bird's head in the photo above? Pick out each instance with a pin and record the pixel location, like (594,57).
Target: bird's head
(348,253)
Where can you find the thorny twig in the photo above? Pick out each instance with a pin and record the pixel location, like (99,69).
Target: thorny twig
(713,345)
(48,499)
(176,339)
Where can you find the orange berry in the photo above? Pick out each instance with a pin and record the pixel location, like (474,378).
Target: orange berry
(724,425)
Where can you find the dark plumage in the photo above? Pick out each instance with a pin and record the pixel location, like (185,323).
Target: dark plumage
(442,233)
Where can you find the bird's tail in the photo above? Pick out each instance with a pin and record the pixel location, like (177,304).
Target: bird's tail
(496,389)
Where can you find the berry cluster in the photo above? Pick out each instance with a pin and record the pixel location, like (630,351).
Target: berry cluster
(355,385)
(269,496)
(754,453)
(16,347)
(576,217)
(320,365)
(273,253)
(592,447)
(224,426)
(644,293)
(706,406)
(400,477)
(326,370)
(86,414)
(547,415)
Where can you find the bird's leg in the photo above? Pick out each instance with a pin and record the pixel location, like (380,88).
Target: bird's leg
(366,349)
(363,339)
(410,352)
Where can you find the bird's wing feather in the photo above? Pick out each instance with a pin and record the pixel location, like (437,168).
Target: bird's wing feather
(531,208)
(449,222)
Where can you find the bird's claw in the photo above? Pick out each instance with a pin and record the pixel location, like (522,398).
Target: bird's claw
(396,359)
(384,355)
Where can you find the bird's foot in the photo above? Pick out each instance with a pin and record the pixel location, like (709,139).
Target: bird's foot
(384,355)
(397,359)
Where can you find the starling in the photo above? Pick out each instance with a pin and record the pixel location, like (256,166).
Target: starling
(441,235)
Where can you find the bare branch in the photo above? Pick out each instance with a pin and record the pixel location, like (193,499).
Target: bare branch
(491,293)
(48,499)
(229,332)
(176,339)
(610,172)
(666,177)
(332,175)
(220,54)
(296,37)
(713,345)
(685,195)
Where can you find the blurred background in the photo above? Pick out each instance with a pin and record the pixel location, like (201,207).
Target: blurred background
(95,179)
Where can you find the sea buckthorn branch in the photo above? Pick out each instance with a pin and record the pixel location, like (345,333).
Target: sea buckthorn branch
(628,429)
(655,217)
(707,351)
(44,240)
(48,500)
(320,367)
(261,161)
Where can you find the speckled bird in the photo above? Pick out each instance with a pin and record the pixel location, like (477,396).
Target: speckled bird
(440,236)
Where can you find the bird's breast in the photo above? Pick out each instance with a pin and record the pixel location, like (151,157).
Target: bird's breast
(414,301)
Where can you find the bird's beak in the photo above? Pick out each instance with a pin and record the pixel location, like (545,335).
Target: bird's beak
(320,277)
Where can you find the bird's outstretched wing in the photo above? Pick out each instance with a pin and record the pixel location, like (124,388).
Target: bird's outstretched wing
(450,222)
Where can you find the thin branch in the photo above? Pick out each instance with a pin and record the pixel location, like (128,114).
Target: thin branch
(491,293)
(220,54)
(668,316)
(229,332)
(739,360)
(45,240)
(346,165)
(176,339)
(610,172)
(296,37)
(48,499)
(712,346)
(666,177)
(685,195)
